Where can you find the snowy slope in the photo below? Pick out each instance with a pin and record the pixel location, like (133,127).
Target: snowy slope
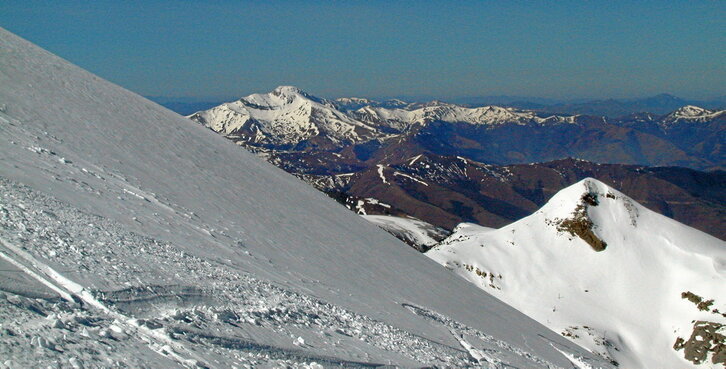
(415,232)
(629,302)
(166,245)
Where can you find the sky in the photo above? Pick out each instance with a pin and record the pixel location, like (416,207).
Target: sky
(444,49)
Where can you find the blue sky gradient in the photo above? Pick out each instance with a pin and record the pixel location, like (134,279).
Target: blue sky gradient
(563,49)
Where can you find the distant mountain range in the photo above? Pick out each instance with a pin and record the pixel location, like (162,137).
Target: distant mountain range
(613,108)
(445,163)
(288,119)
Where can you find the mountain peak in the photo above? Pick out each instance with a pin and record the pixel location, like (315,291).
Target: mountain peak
(573,210)
(587,185)
(690,113)
(692,110)
(288,90)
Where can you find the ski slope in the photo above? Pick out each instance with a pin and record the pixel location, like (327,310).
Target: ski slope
(149,240)
(631,302)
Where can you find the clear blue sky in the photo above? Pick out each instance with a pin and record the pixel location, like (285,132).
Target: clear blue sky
(559,49)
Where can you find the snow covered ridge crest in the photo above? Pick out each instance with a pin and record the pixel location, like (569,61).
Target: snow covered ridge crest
(651,296)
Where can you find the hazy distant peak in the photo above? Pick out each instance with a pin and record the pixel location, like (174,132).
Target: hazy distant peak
(691,113)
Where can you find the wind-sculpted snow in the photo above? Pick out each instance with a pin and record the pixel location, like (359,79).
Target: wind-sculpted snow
(169,246)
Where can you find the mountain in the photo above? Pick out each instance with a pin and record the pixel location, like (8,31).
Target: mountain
(589,138)
(285,118)
(690,114)
(699,131)
(403,119)
(289,120)
(132,237)
(355,103)
(637,288)
(445,191)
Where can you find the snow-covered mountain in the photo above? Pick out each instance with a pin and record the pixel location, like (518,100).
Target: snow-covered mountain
(631,285)
(354,103)
(285,116)
(403,119)
(288,121)
(132,237)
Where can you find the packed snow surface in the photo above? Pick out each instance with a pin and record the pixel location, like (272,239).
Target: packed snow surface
(133,237)
(630,302)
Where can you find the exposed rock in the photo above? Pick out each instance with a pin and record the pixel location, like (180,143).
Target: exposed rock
(707,338)
(580,224)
